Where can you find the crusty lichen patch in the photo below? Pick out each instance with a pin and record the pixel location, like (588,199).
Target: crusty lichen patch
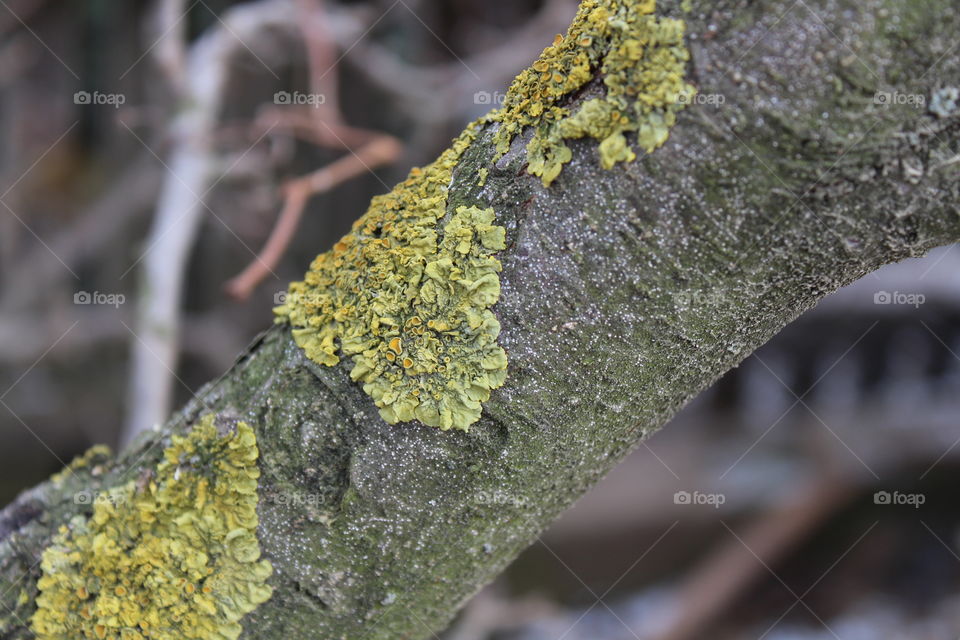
(175,557)
(407,296)
(642,60)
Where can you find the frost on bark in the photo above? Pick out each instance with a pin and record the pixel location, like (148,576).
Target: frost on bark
(625,292)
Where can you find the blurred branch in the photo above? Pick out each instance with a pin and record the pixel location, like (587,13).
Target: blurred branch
(449,83)
(323,125)
(23,338)
(14,17)
(321,56)
(170,52)
(97,226)
(191,165)
(733,568)
(297,192)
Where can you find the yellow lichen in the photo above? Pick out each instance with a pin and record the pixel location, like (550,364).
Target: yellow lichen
(407,296)
(96,453)
(175,558)
(642,60)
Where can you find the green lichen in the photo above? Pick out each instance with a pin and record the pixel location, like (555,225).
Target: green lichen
(642,60)
(170,558)
(407,296)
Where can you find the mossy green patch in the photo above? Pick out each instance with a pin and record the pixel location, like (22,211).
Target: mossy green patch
(170,558)
(407,296)
(641,59)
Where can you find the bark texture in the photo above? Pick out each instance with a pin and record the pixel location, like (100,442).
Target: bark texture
(625,293)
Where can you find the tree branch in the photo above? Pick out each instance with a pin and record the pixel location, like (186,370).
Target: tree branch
(625,292)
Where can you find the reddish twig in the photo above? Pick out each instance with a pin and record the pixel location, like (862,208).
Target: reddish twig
(297,192)
(321,124)
(308,124)
(321,58)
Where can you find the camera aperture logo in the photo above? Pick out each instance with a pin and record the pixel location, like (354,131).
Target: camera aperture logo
(100,497)
(298,499)
(888,98)
(501,498)
(702,99)
(715,500)
(296,298)
(898,499)
(493,98)
(114,300)
(299,98)
(899,298)
(115,100)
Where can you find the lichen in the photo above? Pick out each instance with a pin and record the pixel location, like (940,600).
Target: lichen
(407,293)
(95,454)
(175,557)
(641,59)
(407,296)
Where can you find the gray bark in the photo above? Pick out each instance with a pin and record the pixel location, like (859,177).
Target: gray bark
(625,293)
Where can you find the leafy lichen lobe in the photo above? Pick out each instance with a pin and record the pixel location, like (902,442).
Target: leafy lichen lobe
(176,557)
(642,60)
(407,296)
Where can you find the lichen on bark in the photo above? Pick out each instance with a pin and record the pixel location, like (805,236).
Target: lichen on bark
(173,555)
(392,528)
(642,60)
(407,295)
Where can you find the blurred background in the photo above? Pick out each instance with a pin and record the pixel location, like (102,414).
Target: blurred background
(168,166)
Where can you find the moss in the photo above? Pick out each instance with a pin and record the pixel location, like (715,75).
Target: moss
(642,61)
(407,296)
(176,557)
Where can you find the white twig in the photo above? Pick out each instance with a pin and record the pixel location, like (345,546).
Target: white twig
(191,164)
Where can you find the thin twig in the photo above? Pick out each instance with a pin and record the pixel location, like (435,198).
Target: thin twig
(321,58)
(297,192)
(323,125)
(191,165)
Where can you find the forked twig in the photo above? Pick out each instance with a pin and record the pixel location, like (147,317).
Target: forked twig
(297,192)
